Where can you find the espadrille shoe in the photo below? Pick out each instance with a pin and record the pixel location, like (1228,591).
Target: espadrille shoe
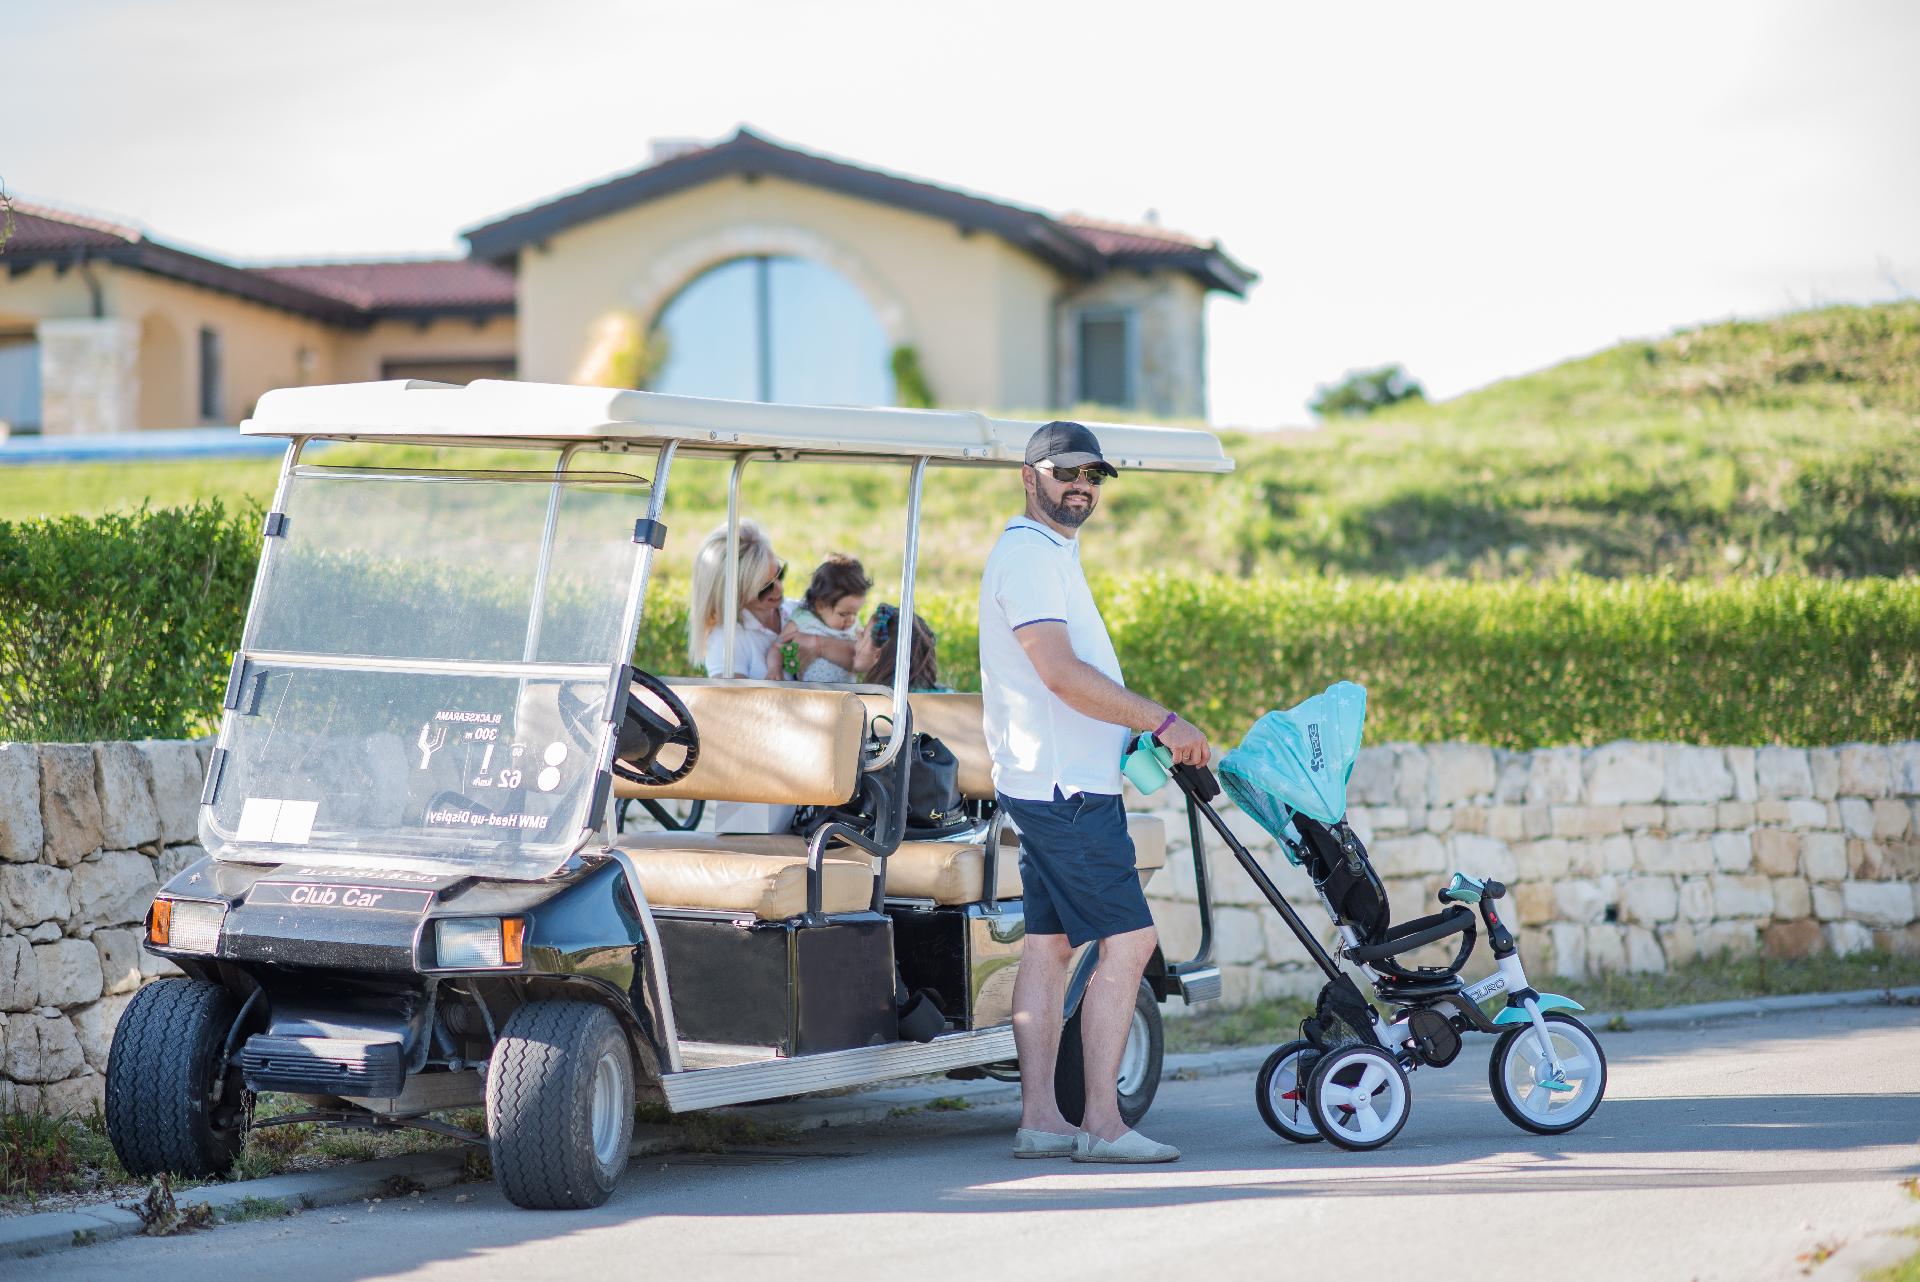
(1028,1143)
(1133,1148)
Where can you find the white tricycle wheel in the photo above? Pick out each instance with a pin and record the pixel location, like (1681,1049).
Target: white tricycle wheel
(1280,1092)
(1358,1097)
(1521,1075)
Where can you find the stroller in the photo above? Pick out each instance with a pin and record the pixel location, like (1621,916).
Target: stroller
(1345,1078)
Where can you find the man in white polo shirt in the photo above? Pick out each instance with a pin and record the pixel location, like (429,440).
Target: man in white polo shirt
(1058,719)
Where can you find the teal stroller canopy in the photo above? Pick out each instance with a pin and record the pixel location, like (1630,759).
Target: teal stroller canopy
(1299,760)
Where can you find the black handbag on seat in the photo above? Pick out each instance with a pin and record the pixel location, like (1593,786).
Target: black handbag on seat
(935,808)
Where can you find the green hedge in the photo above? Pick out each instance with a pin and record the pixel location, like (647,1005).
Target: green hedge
(123,626)
(1511,663)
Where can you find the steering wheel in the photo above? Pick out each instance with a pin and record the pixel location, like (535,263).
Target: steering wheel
(652,725)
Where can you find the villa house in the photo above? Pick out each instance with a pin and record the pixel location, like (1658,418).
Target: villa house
(744,268)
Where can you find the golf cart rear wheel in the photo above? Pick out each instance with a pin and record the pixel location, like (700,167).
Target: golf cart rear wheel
(172,1105)
(1517,1072)
(1140,1058)
(1358,1097)
(560,1105)
(1280,1092)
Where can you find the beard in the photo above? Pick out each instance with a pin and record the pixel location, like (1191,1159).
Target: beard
(1061,512)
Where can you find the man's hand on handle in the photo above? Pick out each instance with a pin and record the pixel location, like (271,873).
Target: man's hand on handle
(1187,744)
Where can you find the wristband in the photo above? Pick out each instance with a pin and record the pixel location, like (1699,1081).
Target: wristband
(1171,718)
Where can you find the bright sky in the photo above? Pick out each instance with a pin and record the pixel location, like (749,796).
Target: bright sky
(1474,190)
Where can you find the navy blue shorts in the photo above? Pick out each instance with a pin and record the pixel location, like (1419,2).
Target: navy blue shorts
(1076,864)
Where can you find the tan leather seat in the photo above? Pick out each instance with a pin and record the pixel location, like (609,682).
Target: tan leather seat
(772,887)
(789,744)
(801,745)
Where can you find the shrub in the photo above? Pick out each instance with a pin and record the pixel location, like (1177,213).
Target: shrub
(1512,664)
(122,625)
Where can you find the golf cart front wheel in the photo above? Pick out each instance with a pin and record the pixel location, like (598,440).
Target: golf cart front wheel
(1523,1082)
(1280,1092)
(1140,1059)
(560,1105)
(173,1104)
(1358,1097)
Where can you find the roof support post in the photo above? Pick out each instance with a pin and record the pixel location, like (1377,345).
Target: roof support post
(903,637)
(730,602)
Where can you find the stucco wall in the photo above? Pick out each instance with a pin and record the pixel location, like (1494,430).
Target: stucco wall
(1169,311)
(960,299)
(261,347)
(357,354)
(1631,856)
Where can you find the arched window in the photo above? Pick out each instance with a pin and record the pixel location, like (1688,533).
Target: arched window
(774,329)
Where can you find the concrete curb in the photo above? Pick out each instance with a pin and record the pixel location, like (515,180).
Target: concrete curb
(29,1235)
(1680,1016)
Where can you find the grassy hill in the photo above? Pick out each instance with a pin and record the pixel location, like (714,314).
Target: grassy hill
(1749,448)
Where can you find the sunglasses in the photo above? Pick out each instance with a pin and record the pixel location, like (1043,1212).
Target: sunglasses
(1091,474)
(779,577)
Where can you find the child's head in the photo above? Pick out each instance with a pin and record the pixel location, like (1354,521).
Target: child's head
(877,645)
(838,590)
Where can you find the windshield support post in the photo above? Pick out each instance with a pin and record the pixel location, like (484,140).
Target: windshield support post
(630,621)
(539,604)
(903,635)
(287,463)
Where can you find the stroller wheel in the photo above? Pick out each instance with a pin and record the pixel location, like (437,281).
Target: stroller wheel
(1281,1092)
(1358,1097)
(1523,1083)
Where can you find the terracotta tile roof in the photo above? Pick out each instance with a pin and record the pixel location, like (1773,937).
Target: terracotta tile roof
(351,294)
(404,285)
(38,229)
(1123,240)
(1077,247)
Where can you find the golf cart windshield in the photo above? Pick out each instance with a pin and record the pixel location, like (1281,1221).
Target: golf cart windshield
(418,680)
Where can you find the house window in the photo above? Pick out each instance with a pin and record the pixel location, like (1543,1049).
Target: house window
(773,329)
(1107,358)
(20,382)
(210,411)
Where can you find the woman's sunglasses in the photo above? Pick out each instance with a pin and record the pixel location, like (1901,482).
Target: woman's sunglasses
(1067,475)
(779,577)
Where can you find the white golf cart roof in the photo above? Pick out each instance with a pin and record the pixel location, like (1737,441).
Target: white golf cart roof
(492,412)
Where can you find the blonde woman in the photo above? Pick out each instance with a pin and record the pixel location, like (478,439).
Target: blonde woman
(762,629)
(762,608)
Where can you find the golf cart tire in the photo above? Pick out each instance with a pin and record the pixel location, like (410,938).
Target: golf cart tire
(1069,1071)
(161,1071)
(540,1105)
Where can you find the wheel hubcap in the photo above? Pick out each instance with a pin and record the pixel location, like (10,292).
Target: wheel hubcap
(1134,1057)
(1286,1096)
(1363,1098)
(606,1110)
(1528,1074)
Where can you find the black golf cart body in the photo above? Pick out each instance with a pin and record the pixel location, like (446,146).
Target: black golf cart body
(415,876)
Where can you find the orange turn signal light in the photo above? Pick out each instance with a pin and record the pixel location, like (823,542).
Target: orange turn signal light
(513,938)
(160,922)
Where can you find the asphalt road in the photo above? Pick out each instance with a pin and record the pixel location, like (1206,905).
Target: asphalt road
(1726,1152)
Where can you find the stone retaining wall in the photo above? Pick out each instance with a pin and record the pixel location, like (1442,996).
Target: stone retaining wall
(87,834)
(1630,856)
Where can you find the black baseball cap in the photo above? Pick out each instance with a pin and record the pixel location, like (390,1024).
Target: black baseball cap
(1067,445)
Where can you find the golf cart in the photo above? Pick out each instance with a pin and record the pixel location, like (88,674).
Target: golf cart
(416,896)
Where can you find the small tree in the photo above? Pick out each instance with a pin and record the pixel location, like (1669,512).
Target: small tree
(1363,391)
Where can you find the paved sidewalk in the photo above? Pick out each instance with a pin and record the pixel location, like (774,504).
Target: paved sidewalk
(358,1182)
